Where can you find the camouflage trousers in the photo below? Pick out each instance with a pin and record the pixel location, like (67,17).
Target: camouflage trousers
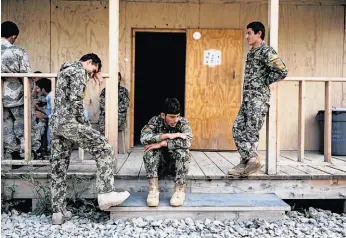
(161,162)
(42,127)
(121,122)
(247,126)
(14,131)
(64,133)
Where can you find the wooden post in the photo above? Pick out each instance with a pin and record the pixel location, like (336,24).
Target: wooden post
(272,129)
(27,118)
(328,123)
(301,121)
(111,123)
(1,121)
(53,82)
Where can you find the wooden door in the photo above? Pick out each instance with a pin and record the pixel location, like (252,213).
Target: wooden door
(213,92)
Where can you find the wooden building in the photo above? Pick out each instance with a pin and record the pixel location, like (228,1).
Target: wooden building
(156,47)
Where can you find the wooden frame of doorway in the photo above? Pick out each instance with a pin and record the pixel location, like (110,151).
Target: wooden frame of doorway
(132,85)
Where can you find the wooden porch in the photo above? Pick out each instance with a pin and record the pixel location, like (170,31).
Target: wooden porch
(312,179)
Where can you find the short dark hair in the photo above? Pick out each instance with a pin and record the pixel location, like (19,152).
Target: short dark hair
(171,106)
(37,72)
(119,74)
(257,26)
(94,58)
(9,29)
(44,83)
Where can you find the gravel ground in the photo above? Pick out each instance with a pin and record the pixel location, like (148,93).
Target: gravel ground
(310,223)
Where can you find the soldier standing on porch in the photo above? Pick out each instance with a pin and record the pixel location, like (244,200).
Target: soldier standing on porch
(263,67)
(123,104)
(167,137)
(15,60)
(68,125)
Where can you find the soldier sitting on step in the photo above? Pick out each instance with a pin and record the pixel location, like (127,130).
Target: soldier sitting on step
(167,137)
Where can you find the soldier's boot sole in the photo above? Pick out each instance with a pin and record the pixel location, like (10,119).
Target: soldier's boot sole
(107,200)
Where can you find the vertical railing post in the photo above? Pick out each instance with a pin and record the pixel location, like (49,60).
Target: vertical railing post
(272,133)
(1,120)
(27,118)
(111,104)
(327,123)
(301,121)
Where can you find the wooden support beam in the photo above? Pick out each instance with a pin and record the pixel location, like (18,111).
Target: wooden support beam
(272,129)
(301,121)
(111,123)
(328,123)
(1,120)
(27,118)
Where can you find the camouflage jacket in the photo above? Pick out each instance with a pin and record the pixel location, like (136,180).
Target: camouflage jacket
(69,93)
(123,100)
(156,126)
(13,60)
(263,67)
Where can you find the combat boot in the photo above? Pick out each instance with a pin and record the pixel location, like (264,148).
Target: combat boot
(252,166)
(59,218)
(107,200)
(238,169)
(178,197)
(153,199)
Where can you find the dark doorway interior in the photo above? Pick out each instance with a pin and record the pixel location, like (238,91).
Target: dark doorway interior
(159,73)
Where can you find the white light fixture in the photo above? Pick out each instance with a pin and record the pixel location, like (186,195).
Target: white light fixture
(196,35)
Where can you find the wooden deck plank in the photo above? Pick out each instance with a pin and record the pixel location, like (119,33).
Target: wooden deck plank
(132,165)
(195,171)
(339,157)
(328,169)
(219,161)
(121,161)
(338,167)
(232,157)
(314,173)
(316,157)
(292,172)
(210,170)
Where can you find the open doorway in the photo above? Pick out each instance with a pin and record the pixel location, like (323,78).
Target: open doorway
(159,73)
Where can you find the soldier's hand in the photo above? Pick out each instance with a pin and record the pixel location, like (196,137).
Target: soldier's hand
(152,147)
(98,78)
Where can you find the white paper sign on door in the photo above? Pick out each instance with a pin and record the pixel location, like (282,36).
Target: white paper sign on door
(212,57)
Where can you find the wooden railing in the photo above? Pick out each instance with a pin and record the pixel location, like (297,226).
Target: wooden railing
(52,76)
(27,117)
(327,113)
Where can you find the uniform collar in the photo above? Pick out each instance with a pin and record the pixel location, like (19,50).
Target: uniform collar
(257,48)
(5,42)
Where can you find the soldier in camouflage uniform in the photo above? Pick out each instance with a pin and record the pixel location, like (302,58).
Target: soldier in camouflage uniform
(167,137)
(263,67)
(40,102)
(123,104)
(68,125)
(15,60)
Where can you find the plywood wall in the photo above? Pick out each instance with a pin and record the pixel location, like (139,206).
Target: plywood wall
(311,42)
(32,18)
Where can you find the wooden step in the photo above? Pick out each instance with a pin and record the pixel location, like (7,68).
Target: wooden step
(198,206)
